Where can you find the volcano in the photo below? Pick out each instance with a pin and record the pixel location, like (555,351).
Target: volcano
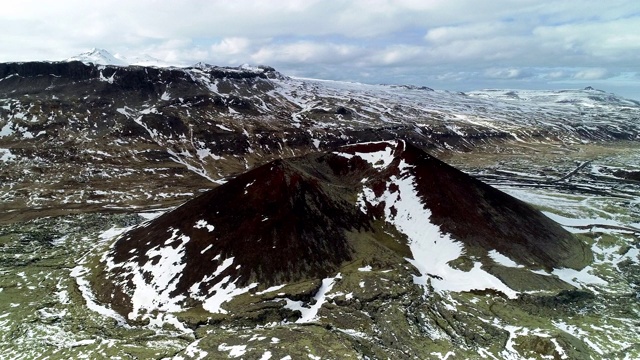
(307,218)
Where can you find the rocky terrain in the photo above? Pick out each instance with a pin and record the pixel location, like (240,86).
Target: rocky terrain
(111,175)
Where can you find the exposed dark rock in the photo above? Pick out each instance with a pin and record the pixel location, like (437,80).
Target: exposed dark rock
(629,175)
(341,110)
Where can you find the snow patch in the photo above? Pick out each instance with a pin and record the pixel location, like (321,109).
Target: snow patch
(578,278)
(572,224)
(503,260)
(194,352)
(223,291)
(379,159)
(150,215)
(206,249)
(432,250)
(109,79)
(271,289)
(154,281)
(224,127)
(202,224)
(234,351)
(579,333)
(6,130)
(309,313)
(6,155)
(79,272)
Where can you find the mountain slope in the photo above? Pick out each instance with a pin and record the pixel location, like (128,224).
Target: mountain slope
(492,219)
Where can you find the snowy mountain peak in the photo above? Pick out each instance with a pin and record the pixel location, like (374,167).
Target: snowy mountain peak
(98,57)
(145,60)
(202,65)
(103,57)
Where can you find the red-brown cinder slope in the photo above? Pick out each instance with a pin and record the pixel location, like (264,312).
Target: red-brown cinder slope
(289,220)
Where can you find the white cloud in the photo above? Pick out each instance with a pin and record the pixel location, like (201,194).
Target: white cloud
(231,46)
(306,52)
(398,55)
(613,41)
(504,73)
(591,74)
(447,34)
(549,74)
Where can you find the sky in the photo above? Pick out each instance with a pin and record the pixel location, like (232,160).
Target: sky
(458,45)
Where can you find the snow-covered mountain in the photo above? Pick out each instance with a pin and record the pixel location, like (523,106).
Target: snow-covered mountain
(585,98)
(103,57)
(99,57)
(146,60)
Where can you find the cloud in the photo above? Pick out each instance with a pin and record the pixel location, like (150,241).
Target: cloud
(447,34)
(397,55)
(554,75)
(231,46)
(591,74)
(506,73)
(612,42)
(306,52)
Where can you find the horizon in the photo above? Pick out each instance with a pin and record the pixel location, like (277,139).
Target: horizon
(77,57)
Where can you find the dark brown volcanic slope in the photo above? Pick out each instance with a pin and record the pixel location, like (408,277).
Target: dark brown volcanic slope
(280,223)
(294,220)
(480,215)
